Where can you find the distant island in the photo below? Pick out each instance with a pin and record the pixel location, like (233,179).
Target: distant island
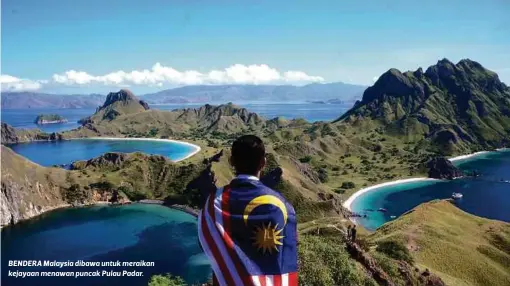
(49,119)
(335,101)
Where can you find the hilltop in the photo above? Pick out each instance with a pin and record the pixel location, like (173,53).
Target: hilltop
(116,104)
(448,108)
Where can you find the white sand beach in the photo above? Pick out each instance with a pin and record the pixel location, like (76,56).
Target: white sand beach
(196,148)
(348,202)
(462,157)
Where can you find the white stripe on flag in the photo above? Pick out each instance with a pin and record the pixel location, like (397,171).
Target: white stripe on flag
(285,279)
(208,251)
(269,280)
(256,281)
(218,238)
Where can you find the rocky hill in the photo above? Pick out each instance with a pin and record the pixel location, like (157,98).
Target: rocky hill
(454,107)
(116,104)
(123,114)
(27,188)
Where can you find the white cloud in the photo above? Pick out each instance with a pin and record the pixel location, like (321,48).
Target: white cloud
(159,75)
(11,83)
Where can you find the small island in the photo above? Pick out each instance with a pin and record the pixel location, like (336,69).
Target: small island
(49,119)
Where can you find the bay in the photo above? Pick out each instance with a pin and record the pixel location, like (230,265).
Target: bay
(486,196)
(152,233)
(49,153)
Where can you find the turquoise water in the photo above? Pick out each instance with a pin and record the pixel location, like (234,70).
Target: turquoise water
(49,153)
(152,233)
(486,196)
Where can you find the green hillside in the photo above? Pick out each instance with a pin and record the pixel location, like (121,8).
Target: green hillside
(449,108)
(461,248)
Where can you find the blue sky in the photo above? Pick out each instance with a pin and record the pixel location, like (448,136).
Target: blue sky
(98,45)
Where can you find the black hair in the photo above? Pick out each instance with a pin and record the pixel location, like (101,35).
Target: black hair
(248,151)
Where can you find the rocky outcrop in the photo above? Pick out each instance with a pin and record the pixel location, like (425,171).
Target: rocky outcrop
(12,135)
(9,134)
(116,104)
(369,263)
(442,168)
(106,161)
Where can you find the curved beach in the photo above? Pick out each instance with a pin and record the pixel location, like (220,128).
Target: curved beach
(348,202)
(196,148)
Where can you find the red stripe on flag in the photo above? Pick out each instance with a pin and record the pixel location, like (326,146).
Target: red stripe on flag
(262,280)
(225,210)
(214,248)
(293,279)
(277,280)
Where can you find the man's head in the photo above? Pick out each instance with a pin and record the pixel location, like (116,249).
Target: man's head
(248,155)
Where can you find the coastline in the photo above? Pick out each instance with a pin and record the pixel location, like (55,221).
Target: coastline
(347,204)
(196,148)
(462,157)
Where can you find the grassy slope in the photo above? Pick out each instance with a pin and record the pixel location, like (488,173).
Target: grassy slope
(461,248)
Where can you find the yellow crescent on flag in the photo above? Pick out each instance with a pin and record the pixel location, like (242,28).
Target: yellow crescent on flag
(265,200)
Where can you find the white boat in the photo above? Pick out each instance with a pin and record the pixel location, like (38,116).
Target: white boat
(457,195)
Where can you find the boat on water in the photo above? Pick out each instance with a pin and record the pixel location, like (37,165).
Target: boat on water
(457,195)
(382,210)
(393,216)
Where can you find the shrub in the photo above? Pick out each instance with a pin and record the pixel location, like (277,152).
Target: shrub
(395,250)
(323,175)
(306,159)
(348,185)
(74,194)
(133,195)
(166,280)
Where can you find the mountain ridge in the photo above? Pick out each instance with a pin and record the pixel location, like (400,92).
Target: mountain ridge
(193,94)
(451,105)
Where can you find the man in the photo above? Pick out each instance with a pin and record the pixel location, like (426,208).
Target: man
(247,230)
(353,233)
(348,232)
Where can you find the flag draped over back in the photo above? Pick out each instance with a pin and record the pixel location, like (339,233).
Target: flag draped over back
(249,233)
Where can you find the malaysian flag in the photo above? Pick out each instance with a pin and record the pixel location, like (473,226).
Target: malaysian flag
(249,233)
